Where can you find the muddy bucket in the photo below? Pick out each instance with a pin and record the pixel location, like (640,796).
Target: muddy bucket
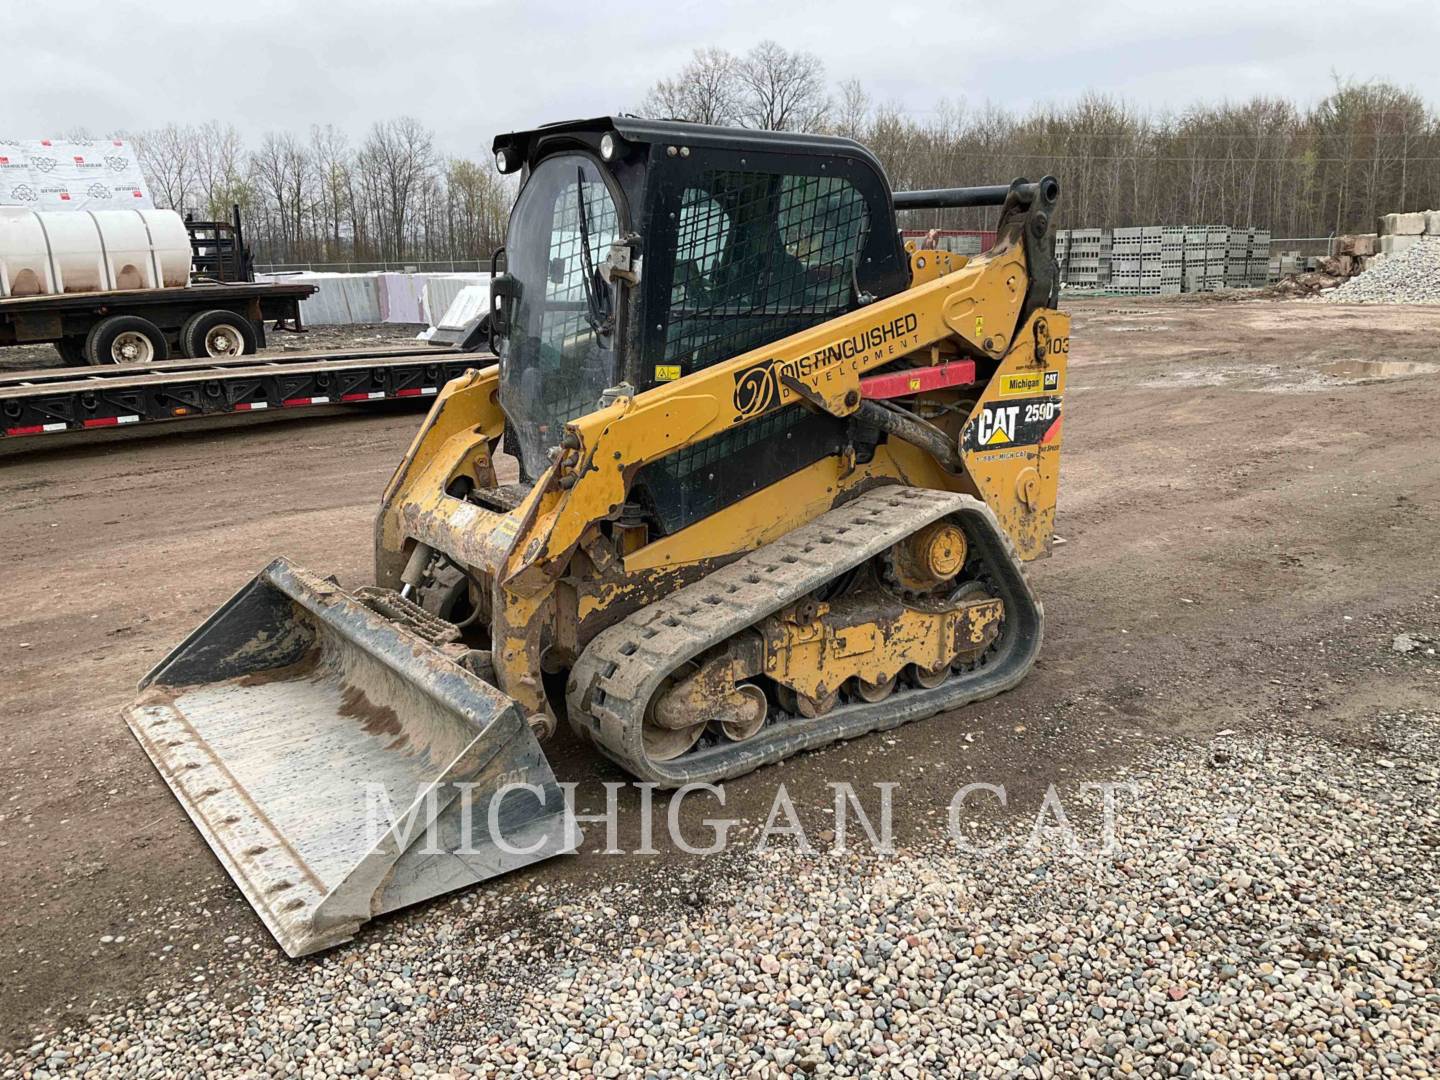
(340,759)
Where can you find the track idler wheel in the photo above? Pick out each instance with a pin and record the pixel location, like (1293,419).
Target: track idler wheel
(929,678)
(668,733)
(811,707)
(747,716)
(876,691)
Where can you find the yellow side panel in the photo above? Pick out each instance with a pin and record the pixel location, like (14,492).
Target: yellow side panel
(785,505)
(1011,443)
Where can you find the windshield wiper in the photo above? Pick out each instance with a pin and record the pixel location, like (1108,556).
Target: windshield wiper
(598,320)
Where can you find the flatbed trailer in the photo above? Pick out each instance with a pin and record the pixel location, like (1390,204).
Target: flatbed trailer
(70,320)
(58,400)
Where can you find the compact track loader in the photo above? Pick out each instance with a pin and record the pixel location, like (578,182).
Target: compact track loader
(778,472)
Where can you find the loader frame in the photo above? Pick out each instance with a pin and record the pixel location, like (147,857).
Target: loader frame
(978,306)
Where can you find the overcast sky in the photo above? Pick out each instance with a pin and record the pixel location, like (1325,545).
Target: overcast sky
(469,68)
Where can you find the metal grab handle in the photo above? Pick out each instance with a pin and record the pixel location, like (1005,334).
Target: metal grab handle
(991,195)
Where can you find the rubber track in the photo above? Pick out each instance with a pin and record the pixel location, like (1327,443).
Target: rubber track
(620,670)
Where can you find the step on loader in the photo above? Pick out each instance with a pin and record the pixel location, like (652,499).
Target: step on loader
(778,474)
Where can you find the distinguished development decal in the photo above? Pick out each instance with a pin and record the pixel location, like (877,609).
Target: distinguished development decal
(758,388)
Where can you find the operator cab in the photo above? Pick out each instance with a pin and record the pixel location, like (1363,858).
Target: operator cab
(639,251)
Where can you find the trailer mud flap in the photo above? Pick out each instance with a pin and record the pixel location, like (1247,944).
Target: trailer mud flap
(340,762)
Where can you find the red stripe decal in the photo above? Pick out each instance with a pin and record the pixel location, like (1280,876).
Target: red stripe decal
(1053,432)
(918,380)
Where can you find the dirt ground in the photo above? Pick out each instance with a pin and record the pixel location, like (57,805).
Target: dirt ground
(313,339)
(1249,513)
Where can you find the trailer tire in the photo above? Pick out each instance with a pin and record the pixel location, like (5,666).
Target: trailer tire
(72,350)
(125,339)
(217,333)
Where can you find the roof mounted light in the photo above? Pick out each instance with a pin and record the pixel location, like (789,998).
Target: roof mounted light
(610,146)
(505,159)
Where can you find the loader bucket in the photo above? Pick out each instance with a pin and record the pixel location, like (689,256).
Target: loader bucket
(341,762)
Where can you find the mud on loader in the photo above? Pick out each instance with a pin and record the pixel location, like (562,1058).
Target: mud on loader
(778,474)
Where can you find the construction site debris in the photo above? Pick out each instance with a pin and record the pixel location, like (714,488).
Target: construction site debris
(1411,276)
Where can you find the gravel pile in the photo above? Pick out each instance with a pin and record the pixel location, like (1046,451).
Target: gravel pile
(1270,910)
(1411,277)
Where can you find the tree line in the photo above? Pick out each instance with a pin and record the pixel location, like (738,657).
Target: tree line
(1366,149)
(319,198)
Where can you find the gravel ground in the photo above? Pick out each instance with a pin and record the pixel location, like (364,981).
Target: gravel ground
(1268,908)
(1411,277)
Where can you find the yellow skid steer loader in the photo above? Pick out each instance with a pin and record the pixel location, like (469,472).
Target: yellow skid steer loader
(778,471)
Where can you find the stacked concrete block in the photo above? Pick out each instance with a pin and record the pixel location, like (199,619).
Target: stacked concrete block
(1151,242)
(1286,263)
(1154,260)
(1172,260)
(1247,258)
(1217,245)
(1205,250)
(1258,263)
(1125,260)
(1081,265)
(1192,258)
(1403,224)
(1400,232)
(1237,252)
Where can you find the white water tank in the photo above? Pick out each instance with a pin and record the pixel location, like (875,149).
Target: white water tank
(91,251)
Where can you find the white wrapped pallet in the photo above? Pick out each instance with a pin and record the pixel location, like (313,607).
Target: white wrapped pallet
(53,174)
(441,291)
(339,300)
(400,297)
(470,304)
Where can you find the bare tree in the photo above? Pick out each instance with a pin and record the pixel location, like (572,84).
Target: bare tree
(705,92)
(167,157)
(283,172)
(330,153)
(399,156)
(221,176)
(783,90)
(476,206)
(852,112)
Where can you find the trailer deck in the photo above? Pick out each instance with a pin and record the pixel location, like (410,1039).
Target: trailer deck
(56,401)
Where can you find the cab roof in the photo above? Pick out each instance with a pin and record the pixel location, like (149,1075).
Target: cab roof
(532,143)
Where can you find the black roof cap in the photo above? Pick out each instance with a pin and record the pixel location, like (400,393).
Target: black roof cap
(636,129)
